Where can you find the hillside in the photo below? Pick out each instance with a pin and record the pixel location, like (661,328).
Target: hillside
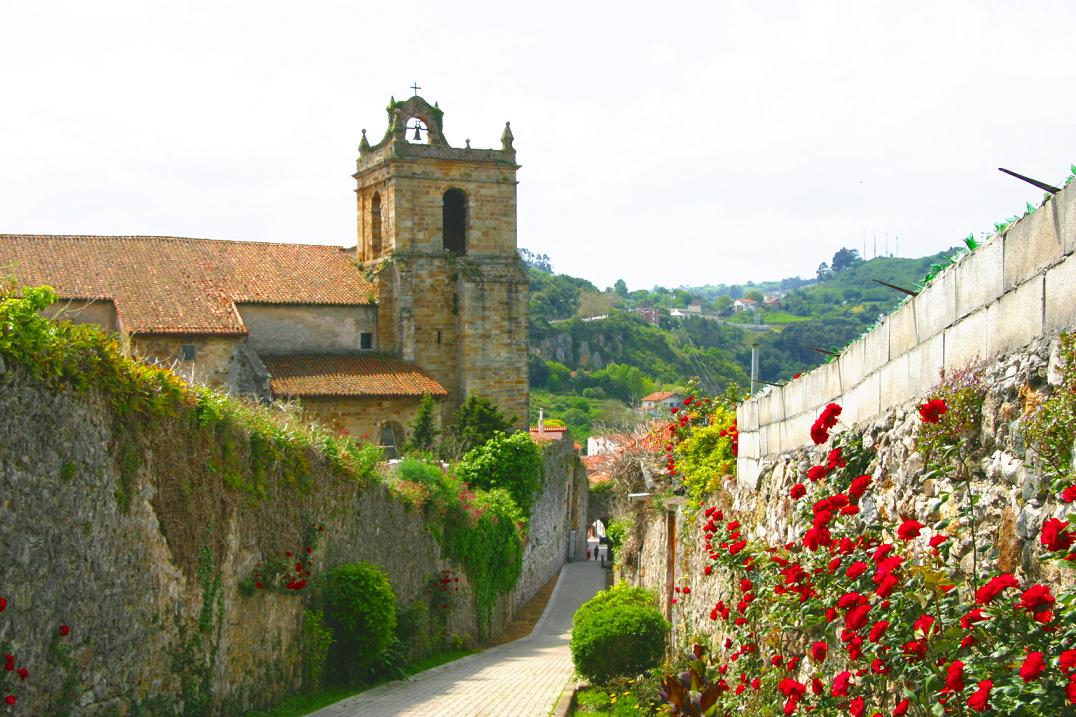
(596,353)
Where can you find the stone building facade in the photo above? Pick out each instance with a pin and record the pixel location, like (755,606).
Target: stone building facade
(431,300)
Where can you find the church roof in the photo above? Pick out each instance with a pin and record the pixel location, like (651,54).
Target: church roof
(348,375)
(174,285)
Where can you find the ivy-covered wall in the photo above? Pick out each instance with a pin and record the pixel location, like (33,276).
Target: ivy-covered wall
(174,547)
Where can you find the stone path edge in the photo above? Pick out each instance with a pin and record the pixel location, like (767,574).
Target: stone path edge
(492,650)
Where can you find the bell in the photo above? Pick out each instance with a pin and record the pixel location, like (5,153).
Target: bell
(418,128)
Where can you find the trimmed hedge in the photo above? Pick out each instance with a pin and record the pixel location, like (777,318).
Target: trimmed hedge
(360,609)
(618,633)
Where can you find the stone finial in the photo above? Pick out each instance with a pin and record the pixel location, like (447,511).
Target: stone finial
(364,144)
(468,142)
(397,128)
(507,137)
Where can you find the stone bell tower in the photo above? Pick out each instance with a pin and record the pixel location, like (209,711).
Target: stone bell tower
(437,230)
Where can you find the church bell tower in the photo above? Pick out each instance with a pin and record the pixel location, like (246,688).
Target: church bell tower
(437,230)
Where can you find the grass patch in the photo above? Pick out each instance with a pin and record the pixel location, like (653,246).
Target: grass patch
(594,701)
(298,705)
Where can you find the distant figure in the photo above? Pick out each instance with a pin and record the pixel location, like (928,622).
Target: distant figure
(588,553)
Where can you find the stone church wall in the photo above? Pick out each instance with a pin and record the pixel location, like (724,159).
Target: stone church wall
(281,329)
(119,527)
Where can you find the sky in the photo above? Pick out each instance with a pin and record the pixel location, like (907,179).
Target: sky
(669,144)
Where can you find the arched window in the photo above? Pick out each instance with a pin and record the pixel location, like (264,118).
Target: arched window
(454,221)
(392,438)
(375,226)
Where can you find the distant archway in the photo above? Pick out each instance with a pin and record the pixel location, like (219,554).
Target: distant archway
(454,221)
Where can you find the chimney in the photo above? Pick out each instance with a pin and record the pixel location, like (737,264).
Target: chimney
(541,422)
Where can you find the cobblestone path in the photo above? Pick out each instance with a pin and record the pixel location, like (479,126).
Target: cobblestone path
(518,679)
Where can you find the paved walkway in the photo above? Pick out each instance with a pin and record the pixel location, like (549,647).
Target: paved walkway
(518,679)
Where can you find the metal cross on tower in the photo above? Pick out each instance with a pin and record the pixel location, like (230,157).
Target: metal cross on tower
(415,88)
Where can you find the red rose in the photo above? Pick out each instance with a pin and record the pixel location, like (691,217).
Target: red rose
(23,673)
(1054,536)
(790,688)
(1069,494)
(976,615)
(816,473)
(879,667)
(937,540)
(994,587)
(856,707)
(932,411)
(954,676)
(979,699)
(924,625)
(798,491)
(859,486)
(1037,599)
(902,708)
(840,684)
(708,570)
(819,434)
(737,547)
(1070,689)
(65,630)
(909,529)
(10,699)
(915,649)
(818,651)
(1032,667)
(856,569)
(877,630)
(1068,661)
(3,604)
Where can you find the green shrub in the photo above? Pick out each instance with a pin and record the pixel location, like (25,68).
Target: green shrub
(618,633)
(510,462)
(360,609)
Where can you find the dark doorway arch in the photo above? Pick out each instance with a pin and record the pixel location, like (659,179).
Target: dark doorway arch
(454,221)
(392,439)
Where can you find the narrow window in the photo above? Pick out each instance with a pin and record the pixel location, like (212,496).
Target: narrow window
(188,352)
(375,226)
(454,221)
(391,439)
(438,336)
(366,341)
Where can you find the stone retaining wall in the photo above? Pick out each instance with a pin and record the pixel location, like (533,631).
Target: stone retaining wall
(1017,286)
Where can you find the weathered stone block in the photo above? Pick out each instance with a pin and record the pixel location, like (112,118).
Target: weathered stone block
(925,363)
(1060,295)
(1015,318)
(1030,245)
(793,393)
(1063,205)
(980,277)
(876,348)
(935,307)
(861,403)
(830,376)
(851,365)
(902,333)
(893,382)
(966,341)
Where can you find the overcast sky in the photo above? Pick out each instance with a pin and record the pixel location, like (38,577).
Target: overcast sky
(662,143)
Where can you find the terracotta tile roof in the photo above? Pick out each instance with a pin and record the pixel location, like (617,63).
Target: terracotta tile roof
(348,375)
(659,396)
(549,433)
(171,285)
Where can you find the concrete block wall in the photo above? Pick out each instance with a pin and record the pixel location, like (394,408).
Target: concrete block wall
(1017,286)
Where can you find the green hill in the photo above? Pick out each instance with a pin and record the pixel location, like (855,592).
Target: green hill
(594,355)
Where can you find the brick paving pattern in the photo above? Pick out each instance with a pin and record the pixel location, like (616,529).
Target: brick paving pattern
(519,679)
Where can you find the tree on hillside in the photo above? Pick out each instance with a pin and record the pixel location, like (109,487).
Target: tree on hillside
(424,427)
(754,295)
(845,258)
(476,421)
(535,261)
(823,272)
(723,303)
(620,287)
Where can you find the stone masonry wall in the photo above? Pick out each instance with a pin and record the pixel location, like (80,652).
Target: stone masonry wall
(1014,498)
(1017,286)
(130,582)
